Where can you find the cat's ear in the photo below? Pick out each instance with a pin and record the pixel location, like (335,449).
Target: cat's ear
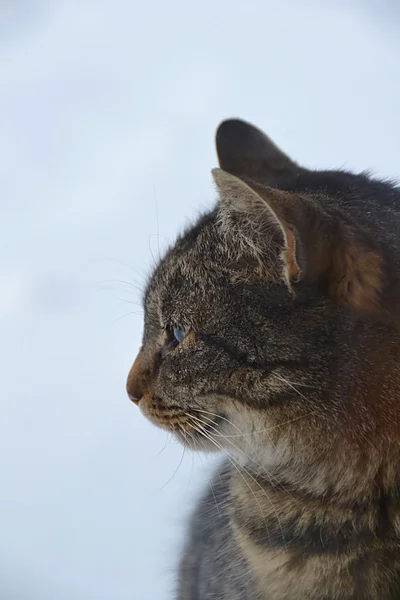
(245,151)
(314,246)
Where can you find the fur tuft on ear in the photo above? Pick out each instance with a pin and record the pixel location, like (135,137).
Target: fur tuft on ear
(255,222)
(312,244)
(236,192)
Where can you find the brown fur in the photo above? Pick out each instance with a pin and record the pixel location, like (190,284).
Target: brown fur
(289,295)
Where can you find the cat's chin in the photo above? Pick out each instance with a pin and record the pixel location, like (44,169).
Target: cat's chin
(196,442)
(193,430)
(202,436)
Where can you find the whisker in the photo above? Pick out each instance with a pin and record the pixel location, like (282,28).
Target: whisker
(264,430)
(126,315)
(157,222)
(299,383)
(151,252)
(166,443)
(260,464)
(128,301)
(175,472)
(238,466)
(284,380)
(187,436)
(210,484)
(135,269)
(122,282)
(316,410)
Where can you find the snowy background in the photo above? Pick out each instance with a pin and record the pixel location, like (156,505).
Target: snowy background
(107,121)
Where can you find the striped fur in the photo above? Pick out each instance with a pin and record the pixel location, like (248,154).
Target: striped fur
(289,294)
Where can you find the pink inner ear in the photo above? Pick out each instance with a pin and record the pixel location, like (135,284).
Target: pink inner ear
(293,271)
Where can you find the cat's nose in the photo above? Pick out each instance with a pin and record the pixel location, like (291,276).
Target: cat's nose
(135,396)
(135,385)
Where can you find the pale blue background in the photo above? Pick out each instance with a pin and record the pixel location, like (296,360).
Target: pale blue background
(107,120)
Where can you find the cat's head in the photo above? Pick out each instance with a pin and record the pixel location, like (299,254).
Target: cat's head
(263,322)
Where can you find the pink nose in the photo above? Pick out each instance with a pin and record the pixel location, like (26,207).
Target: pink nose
(135,398)
(136,383)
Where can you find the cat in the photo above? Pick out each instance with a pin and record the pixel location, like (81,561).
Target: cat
(271,335)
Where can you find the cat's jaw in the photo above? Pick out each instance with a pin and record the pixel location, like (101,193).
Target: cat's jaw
(260,460)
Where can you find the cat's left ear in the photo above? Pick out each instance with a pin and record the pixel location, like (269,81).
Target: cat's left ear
(315,246)
(247,152)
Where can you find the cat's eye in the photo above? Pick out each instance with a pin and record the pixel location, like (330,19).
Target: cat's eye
(175,335)
(179,334)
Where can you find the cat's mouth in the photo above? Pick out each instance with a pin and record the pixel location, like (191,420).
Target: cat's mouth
(189,427)
(172,418)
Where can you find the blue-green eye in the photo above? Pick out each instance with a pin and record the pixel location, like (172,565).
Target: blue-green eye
(179,334)
(175,335)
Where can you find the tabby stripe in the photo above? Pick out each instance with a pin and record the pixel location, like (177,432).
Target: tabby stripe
(242,358)
(314,539)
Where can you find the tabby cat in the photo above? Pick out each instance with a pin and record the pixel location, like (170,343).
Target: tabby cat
(272,334)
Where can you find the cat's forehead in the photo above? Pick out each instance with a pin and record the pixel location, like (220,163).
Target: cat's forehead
(194,259)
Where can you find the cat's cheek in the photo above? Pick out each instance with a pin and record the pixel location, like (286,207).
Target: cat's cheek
(177,384)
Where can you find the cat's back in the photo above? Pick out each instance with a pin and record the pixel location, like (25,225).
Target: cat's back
(368,210)
(212,567)
(371,203)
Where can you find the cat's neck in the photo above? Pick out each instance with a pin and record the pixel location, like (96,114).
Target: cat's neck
(343,473)
(290,537)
